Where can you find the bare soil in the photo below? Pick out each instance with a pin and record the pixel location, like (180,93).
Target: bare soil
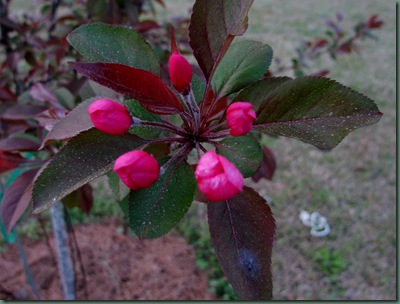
(117,267)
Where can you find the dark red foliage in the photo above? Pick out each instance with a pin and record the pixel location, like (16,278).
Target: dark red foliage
(9,161)
(374,22)
(148,88)
(268,166)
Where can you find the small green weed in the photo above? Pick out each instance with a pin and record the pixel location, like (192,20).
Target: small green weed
(330,263)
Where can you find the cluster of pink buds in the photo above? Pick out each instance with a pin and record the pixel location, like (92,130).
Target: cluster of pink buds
(216,176)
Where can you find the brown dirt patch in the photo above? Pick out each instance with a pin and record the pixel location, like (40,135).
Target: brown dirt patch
(118,267)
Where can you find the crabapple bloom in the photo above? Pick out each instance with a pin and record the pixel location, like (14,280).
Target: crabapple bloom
(240,116)
(217,177)
(110,116)
(137,169)
(180,72)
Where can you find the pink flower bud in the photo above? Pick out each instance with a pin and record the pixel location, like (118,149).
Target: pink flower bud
(217,177)
(137,169)
(180,72)
(109,116)
(240,116)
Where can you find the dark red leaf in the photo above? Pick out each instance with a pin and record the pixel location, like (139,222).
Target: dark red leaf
(13,126)
(41,93)
(20,111)
(268,166)
(150,90)
(321,73)
(374,22)
(81,198)
(346,47)
(320,43)
(18,144)
(6,94)
(147,25)
(213,26)
(9,161)
(16,199)
(242,231)
(12,60)
(50,117)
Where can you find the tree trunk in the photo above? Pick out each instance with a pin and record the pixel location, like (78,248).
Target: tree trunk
(65,267)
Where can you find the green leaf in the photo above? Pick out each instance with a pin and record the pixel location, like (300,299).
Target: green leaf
(198,88)
(256,92)
(84,158)
(100,42)
(65,97)
(123,204)
(213,25)
(156,210)
(318,111)
(244,152)
(138,111)
(242,231)
(118,188)
(243,63)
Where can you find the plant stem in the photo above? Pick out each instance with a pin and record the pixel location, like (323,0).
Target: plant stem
(198,150)
(167,139)
(163,126)
(194,110)
(182,153)
(217,135)
(203,149)
(213,128)
(186,120)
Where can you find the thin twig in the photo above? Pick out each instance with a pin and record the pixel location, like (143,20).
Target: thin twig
(53,256)
(182,152)
(213,128)
(203,149)
(167,127)
(217,135)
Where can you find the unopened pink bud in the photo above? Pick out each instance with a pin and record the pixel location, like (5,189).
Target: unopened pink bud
(240,116)
(180,72)
(110,117)
(217,177)
(137,169)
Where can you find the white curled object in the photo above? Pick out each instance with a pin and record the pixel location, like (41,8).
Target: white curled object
(319,225)
(305,218)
